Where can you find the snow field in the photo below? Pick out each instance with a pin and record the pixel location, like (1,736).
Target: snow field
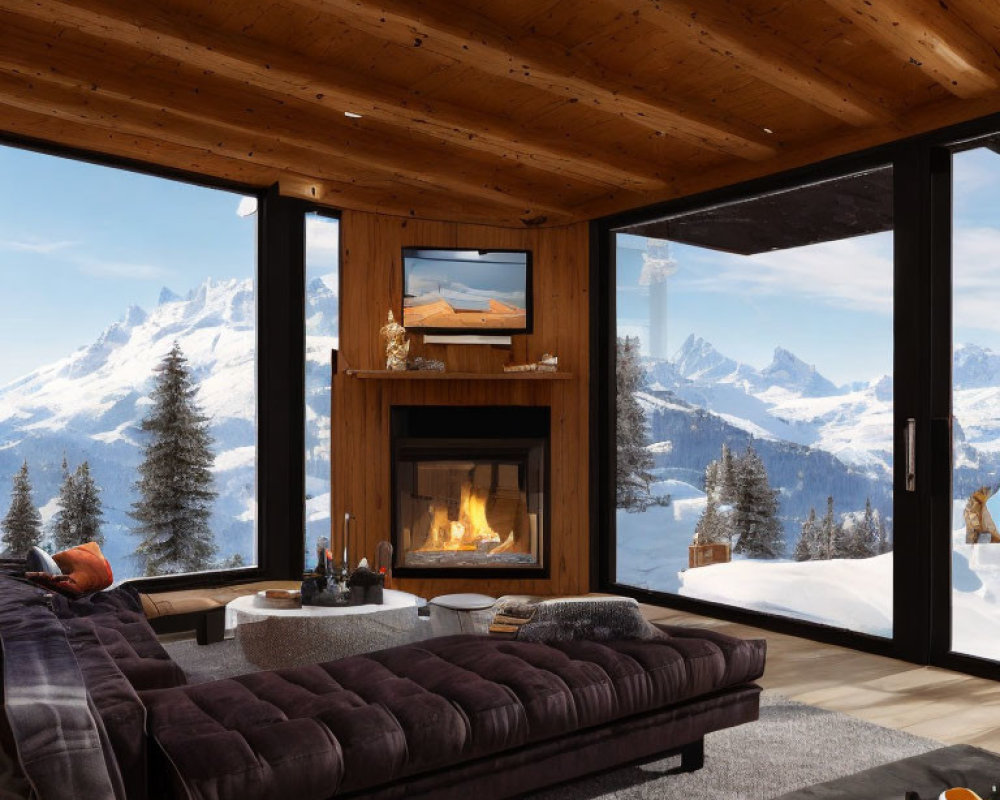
(855,594)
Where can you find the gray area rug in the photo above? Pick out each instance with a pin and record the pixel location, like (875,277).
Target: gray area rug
(790,747)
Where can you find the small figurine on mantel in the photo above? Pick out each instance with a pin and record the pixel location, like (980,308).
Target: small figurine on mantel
(397,346)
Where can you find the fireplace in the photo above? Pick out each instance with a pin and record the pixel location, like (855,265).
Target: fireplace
(470,490)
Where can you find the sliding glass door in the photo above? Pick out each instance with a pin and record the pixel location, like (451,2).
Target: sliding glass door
(754,403)
(975,539)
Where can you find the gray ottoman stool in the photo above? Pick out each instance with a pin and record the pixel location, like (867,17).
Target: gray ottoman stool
(461,613)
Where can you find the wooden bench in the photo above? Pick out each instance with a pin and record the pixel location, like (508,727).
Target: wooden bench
(202,610)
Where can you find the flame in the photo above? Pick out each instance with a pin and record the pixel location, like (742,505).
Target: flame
(469,532)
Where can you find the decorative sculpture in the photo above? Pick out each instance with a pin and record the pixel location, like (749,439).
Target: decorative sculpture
(397,346)
(979,524)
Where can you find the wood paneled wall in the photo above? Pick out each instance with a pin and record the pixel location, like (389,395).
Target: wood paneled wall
(371,284)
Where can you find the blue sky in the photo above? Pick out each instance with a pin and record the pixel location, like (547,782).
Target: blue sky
(79,243)
(831,303)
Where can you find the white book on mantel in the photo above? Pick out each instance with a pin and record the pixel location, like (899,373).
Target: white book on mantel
(464,338)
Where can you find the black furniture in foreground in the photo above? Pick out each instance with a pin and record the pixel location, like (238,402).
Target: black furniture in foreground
(927,775)
(451,717)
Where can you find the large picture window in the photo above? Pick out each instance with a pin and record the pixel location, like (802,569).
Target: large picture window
(754,403)
(127,384)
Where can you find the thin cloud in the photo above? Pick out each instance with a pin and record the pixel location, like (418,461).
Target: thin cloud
(852,273)
(323,235)
(41,248)
(123,269)
(976,265)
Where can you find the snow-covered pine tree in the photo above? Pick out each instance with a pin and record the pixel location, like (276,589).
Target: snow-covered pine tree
(805,547)
(634,461)
(882,535)
(755,513)
(22,527)
(727,476)
(79,517)
(831,534)
(88,514)
(63,536)
(175,484)
(712,480)
(863,539)
(712,527)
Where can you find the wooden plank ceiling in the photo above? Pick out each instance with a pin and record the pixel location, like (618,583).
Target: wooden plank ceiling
(534,112)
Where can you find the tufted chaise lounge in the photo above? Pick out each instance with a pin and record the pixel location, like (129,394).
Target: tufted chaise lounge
(452,715)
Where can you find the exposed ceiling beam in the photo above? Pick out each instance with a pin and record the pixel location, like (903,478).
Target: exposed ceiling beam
(463,35)
(148,150)
(97,109)
(927,34)
(942,113)
(776,61)
(288,74)
(81,66)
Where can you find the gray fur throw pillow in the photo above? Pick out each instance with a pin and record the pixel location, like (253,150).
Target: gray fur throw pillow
(569,618)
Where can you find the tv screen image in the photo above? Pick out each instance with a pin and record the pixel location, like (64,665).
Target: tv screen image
(461,291)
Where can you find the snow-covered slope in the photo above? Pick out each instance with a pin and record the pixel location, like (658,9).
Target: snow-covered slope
(89,404)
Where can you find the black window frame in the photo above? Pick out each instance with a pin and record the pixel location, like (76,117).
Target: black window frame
(922,350)
(280,371)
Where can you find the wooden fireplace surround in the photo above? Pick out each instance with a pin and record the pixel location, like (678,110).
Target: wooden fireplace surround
(371,284)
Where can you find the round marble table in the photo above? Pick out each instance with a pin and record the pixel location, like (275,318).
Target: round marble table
(272,638)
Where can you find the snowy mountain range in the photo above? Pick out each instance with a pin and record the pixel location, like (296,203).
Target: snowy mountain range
(815,438)
(89,405)
(790,400)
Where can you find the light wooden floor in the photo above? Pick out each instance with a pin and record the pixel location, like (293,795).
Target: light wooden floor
(927,701)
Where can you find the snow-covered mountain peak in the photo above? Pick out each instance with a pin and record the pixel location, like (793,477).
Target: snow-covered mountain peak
(167,296)
(788,371)
(697,359)
(134,315)
(214,326)
(975,367)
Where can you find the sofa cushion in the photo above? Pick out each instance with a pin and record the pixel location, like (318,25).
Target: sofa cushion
(84,570)
(371,719)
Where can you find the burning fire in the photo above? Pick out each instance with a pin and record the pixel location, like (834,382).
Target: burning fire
(471,531)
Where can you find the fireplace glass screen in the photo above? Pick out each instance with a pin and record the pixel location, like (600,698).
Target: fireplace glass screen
(469,504)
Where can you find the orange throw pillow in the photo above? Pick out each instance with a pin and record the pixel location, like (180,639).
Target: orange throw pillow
(85,570)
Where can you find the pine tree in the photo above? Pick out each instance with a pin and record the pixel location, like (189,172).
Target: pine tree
(63,536)
(755,513)
(80,515)
(831,534)
(175,483)
(712,526)
(727,476)
(805,548)
(22,527)
(882,535)
(87,507)
(634,462)
(712,480)
(863,539)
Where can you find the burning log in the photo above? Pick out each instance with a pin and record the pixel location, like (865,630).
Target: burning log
(508,544)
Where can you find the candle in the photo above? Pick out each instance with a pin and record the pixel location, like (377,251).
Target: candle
(347,533)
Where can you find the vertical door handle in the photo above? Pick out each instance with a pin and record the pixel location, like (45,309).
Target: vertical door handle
(910,446)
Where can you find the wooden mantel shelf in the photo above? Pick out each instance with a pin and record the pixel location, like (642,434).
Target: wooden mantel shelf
(430,375)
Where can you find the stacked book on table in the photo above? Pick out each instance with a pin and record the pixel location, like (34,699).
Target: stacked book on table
(509,619)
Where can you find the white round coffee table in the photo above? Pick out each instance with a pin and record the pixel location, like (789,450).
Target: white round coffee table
(272,638)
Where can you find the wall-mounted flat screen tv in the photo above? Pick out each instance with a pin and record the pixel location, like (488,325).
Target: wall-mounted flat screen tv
(455,291)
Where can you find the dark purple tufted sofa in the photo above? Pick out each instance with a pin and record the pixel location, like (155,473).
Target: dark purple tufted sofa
(442,718)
